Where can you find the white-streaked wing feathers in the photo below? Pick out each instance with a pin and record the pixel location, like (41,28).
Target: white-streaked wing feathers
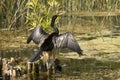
(67,40)
(38,35)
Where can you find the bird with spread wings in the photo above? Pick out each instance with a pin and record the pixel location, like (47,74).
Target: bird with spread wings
(54,40)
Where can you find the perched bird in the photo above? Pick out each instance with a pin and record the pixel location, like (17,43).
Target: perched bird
(54,40)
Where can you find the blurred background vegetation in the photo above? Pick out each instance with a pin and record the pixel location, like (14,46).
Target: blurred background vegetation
(26,14)
(89,20)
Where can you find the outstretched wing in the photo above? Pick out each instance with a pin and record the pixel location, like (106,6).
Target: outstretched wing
(38,35)
(67,40)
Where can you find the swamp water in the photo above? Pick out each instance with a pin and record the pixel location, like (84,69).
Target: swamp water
(72,69)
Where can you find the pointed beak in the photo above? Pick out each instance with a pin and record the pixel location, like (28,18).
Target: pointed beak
(61,13)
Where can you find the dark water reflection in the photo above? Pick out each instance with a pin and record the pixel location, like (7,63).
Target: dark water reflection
(73,69)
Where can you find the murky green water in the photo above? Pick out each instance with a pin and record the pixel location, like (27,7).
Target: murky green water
(72,69)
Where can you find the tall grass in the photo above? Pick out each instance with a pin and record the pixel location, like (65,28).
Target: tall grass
(13,12)
(102,13)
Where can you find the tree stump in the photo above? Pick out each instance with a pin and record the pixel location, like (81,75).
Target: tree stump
(33,70)
(0,68)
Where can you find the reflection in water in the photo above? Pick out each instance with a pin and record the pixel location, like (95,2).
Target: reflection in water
(72,69)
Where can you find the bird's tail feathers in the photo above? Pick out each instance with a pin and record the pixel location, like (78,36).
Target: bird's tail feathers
(29,39)
(36,56)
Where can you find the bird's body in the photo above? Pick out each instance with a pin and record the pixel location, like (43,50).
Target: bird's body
(54,40)
(47,45)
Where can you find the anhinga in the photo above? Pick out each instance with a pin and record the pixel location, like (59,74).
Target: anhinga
(53,40)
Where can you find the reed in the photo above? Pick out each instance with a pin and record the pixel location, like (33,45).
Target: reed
(19,13)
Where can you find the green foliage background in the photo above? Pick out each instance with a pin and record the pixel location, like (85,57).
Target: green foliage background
(39,13)
(30,13)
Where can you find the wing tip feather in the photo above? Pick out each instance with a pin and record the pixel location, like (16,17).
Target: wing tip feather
(80,52)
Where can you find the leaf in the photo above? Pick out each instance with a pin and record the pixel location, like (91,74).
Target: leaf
(40,14)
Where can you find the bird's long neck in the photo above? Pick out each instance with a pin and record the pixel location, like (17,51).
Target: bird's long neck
(55,29)
(53,24)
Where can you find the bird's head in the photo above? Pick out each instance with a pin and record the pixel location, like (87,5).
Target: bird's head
(54,17)
(53,21)
(58,14)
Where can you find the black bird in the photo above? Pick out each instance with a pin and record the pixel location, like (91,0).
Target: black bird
(39,35)
(53,40)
